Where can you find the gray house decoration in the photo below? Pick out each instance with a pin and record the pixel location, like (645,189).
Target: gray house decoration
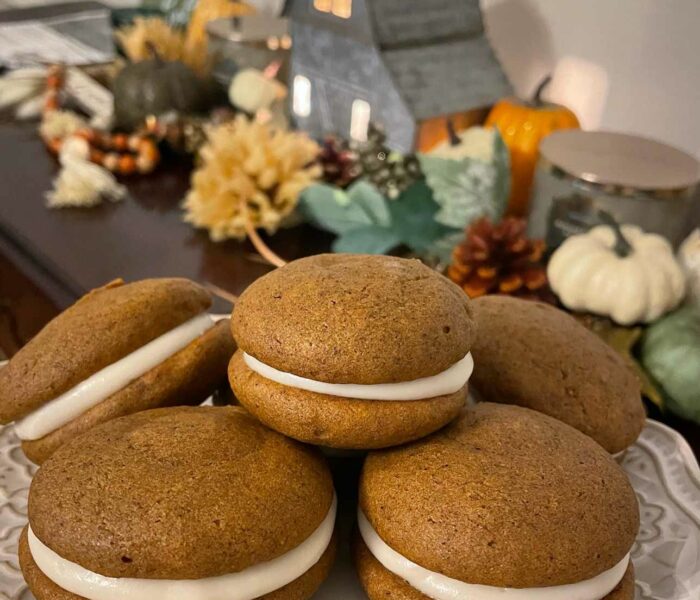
(407,65)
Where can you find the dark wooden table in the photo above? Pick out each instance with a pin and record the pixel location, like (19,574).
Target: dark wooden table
(48,258)
(65,252)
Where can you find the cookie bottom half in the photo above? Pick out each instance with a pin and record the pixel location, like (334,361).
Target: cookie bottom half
(186,378)
(381,584)
(301,588)
(337,422)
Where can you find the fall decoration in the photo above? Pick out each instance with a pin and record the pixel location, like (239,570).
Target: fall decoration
(117,153)
(59,124)
(154,87)
(617,271)
(469,176)
(196,40)
(670,352)
(252,90)
(81,183)
(185,134)
(22,92)
(339,162)
(250,176)
(523,125)
(148,35)
(367,222)
(389,171)
(499,259)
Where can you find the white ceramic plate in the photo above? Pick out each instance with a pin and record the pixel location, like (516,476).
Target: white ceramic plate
(661,466)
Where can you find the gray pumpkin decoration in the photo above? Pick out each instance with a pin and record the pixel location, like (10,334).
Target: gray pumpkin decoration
(154,87)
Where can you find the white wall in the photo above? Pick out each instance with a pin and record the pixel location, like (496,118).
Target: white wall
(650,50)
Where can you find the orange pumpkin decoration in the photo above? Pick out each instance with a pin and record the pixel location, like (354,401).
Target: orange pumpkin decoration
(523,124)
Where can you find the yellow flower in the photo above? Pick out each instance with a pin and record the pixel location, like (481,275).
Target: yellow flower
(250,176)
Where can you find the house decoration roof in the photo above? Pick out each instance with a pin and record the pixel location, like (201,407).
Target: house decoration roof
(447,78)
(414,22)
(436,51)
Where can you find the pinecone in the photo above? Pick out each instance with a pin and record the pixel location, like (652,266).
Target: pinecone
(391,172)
(499,259)
(339,162)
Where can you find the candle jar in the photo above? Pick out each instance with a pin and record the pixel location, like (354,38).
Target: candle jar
(637,180)
(256,41)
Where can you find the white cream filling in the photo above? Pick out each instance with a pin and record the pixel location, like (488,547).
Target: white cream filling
(101,385)
(248,584)
(448,382)
(440,587)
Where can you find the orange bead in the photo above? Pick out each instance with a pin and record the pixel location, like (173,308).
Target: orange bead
(120,142)
(96,156)
(127,164)
(149,150)
(55,145)
(54,81)
(111,161)
(51,103)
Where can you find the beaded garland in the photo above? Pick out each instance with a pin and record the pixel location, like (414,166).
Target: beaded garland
(119,153)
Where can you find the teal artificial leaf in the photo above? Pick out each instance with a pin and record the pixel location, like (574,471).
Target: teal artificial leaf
(339,211)
(371,201)
(413,217)
(501,160)
(371,239)
(465,189)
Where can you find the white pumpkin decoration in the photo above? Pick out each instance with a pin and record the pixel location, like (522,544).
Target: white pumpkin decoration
(689,257)
(617,271)
(252,90)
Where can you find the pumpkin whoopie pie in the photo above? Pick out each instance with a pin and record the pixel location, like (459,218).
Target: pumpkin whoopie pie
(180,503)
(537,356)
(352,351)
(120,349)
(503,503)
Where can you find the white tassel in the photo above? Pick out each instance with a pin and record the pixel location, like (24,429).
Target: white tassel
(80,182)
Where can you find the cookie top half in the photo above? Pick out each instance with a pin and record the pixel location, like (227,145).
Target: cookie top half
(505,497)
(99,329)
(534,355)
(179,493)
(343,318)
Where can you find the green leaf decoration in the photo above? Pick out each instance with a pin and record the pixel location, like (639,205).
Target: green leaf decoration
(368,223)
(465,189)
(413,215)
(371,239)
(371,201)
(501,160)
(333,209)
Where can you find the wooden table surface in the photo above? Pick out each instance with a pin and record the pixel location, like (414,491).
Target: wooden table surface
(48,258)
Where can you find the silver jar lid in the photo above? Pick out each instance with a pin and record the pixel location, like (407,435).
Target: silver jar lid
(617,159)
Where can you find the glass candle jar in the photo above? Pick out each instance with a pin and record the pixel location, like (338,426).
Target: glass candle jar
(637,180)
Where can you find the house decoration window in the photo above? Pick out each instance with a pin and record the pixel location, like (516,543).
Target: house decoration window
(359,120)
(339,8)
(301,101)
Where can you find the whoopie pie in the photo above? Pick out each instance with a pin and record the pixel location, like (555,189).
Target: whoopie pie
(537,356)
(503,503)
(177,504)
(120,349)
(353,351)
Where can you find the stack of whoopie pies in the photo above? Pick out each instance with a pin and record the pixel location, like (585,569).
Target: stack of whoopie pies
(120,349)
(369,353)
